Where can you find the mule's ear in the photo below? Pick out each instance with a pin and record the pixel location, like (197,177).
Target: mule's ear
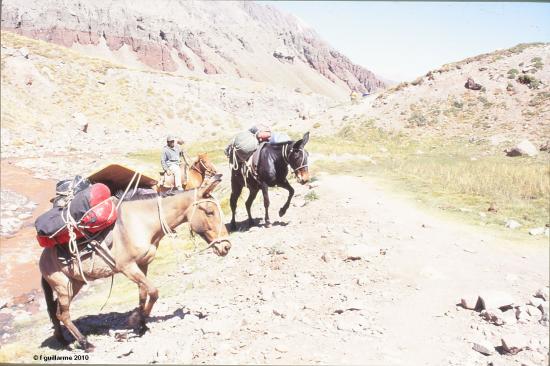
(214,181)
(301,143)
(305,138)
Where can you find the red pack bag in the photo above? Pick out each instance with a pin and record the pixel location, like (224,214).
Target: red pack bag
(93,209)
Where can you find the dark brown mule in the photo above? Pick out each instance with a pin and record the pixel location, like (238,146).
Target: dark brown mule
(136,236)
(198,171)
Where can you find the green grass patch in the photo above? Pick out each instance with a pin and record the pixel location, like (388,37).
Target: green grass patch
(450,173)
(214,149)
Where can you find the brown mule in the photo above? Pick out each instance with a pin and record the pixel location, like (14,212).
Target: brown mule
(136,236)
(198,171)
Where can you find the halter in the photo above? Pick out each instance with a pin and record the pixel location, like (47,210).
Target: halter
(208,172)
(172,234)
(285,157)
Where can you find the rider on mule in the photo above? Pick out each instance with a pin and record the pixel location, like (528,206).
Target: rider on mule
(170,161)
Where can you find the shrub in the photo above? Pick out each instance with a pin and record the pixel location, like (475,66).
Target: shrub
(512,73)
(457,104)
(311,196)
(417,119)
(529,80)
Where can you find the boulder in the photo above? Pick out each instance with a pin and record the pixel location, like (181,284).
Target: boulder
(493,316)
(512,224)
(524,148)
(484,347)
(472,85)
(24,52)
(470,302)
(360,251)
(81,121)
(536,231)
(534,312)
(509,317)
(521,314)
(543,293)
(492,299)
(544,308)
(536,301)
(514,343)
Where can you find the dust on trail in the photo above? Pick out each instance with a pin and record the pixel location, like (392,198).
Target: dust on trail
(288,295)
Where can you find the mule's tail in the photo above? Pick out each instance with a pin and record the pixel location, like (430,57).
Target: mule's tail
(50,302)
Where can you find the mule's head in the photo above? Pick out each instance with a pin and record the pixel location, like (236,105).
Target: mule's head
(205,165)
(206,220)
(297,159)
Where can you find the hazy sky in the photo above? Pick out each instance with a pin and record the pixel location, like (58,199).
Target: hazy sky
(403,40)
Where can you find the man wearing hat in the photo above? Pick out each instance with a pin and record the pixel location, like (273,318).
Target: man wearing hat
(170,161)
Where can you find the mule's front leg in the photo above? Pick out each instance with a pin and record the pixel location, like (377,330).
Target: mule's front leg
(266,204)
(137,318)
(286,185)
(134,273)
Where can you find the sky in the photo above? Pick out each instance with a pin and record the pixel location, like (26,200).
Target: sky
(402,40)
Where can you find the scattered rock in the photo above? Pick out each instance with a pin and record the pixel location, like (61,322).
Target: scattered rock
(521,314)
(493,316)
(533,311)
(484,347)
(509,317)
(495,299)
(536,301)
(544,308)
(512,224)
(493,207)
(514,343)
(24,52)
(472,85)
(537,231)
(543,293)
(470,302)
(525,147)
(360,251)
(281,348)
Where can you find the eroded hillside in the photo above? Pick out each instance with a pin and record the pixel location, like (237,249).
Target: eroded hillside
(49,93)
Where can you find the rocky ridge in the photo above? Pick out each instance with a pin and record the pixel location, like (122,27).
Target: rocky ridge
(242,39)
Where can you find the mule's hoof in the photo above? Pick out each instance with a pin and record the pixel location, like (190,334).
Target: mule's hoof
(135,320)
(87,346)
(142,330)
(268,224)
(282,212)
(250,223)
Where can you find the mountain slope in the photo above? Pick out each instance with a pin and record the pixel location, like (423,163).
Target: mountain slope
(243,39)
(513,102)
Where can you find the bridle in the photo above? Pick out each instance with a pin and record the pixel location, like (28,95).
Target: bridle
(207,171)
(172,234)
(285,157)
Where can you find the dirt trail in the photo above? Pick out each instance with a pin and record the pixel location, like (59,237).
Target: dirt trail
(286,294)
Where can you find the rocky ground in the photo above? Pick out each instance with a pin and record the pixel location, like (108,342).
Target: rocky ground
(377,280)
